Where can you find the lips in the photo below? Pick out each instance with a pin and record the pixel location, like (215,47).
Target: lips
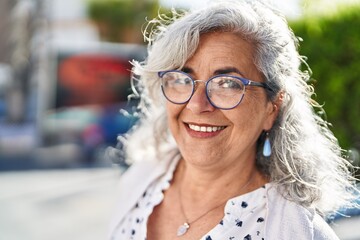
(205,129)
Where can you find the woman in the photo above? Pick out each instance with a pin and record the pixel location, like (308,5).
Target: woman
(229,146)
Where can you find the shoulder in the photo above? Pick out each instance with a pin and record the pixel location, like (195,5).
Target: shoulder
(144,172)
(289,220)
(135,181)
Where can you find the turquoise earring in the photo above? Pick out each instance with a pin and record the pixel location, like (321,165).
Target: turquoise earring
(267,146)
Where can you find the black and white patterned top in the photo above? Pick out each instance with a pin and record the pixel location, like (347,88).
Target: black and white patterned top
(244,216)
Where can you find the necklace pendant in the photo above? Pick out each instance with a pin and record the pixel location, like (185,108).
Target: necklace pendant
(182,229)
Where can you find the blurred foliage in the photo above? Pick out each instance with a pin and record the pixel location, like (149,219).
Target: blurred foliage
(122,20)
(332,46)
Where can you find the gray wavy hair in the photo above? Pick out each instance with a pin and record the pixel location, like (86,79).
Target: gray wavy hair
(306,159)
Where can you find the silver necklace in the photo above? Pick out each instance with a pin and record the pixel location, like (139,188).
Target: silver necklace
(182,229)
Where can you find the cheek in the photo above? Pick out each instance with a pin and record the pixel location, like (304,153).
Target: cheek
(173,113)
(250,106)
(252,113)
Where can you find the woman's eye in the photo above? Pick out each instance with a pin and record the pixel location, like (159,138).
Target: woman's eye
(183,81)
(229,83)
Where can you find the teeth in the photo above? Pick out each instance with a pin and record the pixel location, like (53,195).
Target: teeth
(205,129)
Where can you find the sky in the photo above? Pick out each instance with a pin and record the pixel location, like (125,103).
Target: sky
(62,11)
(76,9)
(291,8)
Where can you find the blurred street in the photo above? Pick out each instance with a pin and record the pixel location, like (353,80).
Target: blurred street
(348,228)
(58,204)
(75,204)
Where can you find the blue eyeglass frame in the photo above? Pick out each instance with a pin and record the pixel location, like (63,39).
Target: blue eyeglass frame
(244,81)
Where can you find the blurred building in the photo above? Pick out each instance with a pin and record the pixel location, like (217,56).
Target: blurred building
(5,14)
(18,26)
(61,89)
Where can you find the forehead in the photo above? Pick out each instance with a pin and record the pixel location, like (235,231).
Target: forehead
(223,49)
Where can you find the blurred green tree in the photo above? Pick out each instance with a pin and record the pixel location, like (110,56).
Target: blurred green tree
(122,20)
(331,44)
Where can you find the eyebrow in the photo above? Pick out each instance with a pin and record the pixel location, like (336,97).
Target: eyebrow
(228,70)
(187,70)
(225,70)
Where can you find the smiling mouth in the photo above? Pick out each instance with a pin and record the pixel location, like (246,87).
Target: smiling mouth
(198,128)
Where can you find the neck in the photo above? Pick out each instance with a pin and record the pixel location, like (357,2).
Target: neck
(203,184)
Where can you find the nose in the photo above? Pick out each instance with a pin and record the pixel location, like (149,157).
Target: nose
(199,102)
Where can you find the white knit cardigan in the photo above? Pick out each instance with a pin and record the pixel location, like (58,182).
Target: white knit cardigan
(286,220)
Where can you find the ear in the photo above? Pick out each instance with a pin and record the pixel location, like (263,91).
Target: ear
(273,111)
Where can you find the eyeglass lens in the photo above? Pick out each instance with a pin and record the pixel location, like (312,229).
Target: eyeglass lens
(223,92)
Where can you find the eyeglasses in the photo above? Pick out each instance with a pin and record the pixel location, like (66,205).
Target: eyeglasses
(223,91)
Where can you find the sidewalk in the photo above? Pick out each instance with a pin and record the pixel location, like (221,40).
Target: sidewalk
(75,205)
(57,205)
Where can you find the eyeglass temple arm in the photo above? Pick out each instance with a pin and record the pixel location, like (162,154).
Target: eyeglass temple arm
(260,84)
